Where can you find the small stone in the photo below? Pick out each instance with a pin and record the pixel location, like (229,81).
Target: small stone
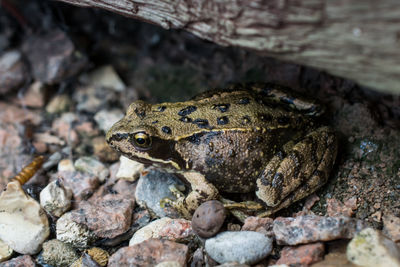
(261,225)
(303,255)
(369,248)
(21,261)
(82,184)
(5,251)
(92,99)
(55,198)
(23,223)
(168,264)
(13,71)
(57,253)
(52,161)
(129,169)
(53,56)
(103,151)
(312,228)
(75,234)
(59,104)
(34,97)
(235,264)
(63,127)
(108,217)
(150,253)
(98,255)
(391,227)
(66,165)
(208,218)
(106,118)
(149,231)
(245,247)
(337,208)
(104,76)
(92,166)
(153,186)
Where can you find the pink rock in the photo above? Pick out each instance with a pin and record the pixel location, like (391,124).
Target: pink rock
(13,114)
(63,127)
(303,255)
(13,71)
(312,228)
(109,217)
(177,230)
(261,225)
(82,184)
(21,261)
(391,227)
(149,253)
(337,208)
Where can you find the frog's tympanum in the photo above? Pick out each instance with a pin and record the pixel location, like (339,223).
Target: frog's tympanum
(250,138)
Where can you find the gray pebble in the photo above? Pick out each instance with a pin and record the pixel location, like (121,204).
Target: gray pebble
(245,247)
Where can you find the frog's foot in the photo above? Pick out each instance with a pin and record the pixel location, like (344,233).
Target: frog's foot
(305,168)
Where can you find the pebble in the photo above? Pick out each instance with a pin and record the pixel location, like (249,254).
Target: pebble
(168,264)
(82,184)
(53,56)
(34,97)
(336,208)
(245,247)
(55,198)
(13,71)
(106,118)
(257,224)
(92,99)
(92,166)
(152,187)
(57,253)
(58,104)
(312,228)
(391,227)
(21,261)
(76,234)
(129,169)
(170,229)
(63,128)
(208,218)
(5,251)
(23,223)
(303,255)
(66,165)
(104,76)
(150,253)
(107,217)
(98,255)
(52,161)
(369,248)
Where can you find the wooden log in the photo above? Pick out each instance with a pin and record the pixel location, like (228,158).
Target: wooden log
(355,39)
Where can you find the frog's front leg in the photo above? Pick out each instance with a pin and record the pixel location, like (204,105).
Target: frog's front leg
(304,168)
(202,191)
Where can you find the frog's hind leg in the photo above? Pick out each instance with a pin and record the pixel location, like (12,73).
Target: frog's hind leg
(303,170)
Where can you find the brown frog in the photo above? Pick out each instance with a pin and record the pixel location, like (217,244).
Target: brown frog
(249,138)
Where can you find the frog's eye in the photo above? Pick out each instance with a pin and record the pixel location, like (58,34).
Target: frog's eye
(142,140)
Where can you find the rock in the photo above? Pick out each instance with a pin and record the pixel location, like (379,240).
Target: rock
(103,151)
(303,255)
(75,234)
(55,198)
(57,253)
(106,118)
(235,264)
(34,96)
(336,256)
(5,251)
(108,217)
(52,161)
(336,208)
(82,184)
(257,224)
(391,227)
(369,248)
(129,169)
(21,261)
(150,253)
(53,56)
(66,165)
(104,77)
(312,228)
(23,223)
(165,228)
(208,218)
(92,99)
(92,166)
(63,127)
(58,104)
(153,186)
(168,264)
(13,71)
(98,255)
(243,247)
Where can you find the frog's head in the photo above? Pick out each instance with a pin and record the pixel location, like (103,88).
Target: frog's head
(138,140)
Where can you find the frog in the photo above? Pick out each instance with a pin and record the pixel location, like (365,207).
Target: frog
(247,138)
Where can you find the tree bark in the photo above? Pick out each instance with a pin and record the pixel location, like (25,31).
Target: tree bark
(356,39)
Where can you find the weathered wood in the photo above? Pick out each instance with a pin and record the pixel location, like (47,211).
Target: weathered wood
(356,39)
